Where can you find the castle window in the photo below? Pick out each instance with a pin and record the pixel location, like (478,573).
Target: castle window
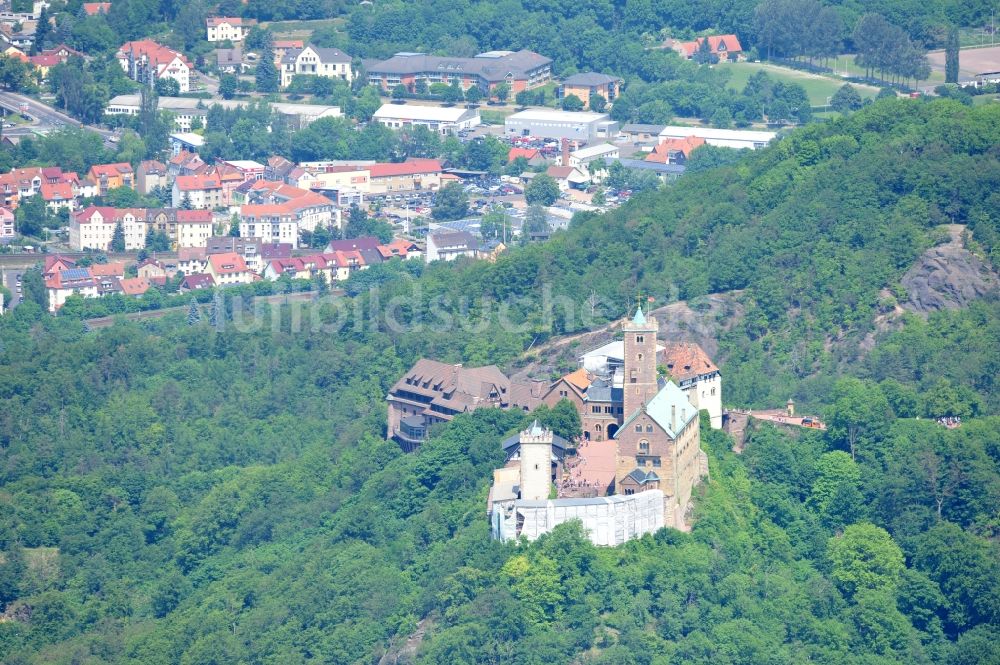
(640,357)
(649,428)
(638,428)
(644,446)
(595,409)
(713,391)
(639,339)
(629,492)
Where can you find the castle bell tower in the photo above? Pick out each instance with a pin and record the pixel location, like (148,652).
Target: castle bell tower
(536,462)
(640,381)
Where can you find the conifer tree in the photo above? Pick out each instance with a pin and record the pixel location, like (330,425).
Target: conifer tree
(118,238)
(193,315)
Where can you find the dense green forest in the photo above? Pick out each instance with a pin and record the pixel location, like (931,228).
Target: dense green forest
(174,492)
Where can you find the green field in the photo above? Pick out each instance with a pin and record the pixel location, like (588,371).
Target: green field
(818,88)
(844,64)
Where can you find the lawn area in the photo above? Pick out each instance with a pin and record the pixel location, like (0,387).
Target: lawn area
(818,88)
(979,100)
(844,64)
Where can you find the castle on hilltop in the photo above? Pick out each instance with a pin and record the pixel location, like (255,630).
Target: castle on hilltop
(636,467)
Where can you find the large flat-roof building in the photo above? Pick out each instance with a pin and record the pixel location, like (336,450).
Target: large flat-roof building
(439,119)
(725,138)
(186,109)
(550,124)
(522,70)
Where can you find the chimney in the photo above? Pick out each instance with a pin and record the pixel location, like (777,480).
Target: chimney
(673,417)
(565,152)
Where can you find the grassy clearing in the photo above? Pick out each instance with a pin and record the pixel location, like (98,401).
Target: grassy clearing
(979,100)
(844,64)
(818,88)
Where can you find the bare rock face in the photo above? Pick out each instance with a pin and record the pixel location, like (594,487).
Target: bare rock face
(947,277)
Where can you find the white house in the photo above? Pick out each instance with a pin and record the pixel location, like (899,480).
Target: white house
(146,61)
(223,28)
(440,119)
(315,61)
(584,156)
(449,245)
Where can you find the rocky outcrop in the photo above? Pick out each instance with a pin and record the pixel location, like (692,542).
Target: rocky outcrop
(947,276)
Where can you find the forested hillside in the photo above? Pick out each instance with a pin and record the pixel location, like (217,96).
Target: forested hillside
(177,493)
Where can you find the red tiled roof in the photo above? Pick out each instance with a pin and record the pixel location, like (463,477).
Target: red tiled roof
(92,8)
(731,41)
(114,269)
(57,191)
(527,153)
(288,43)
(227,263)
(190,183)
(134,286)
(45,60)
(661,153)
(157,54)
(409,167)
(219,20)
(685,360)
(110,170)
(194,216)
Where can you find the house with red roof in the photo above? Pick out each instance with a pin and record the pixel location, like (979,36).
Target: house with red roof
(726,48)
(400,248)
(413,174)
(95,8)
(533,156)
(58,196)
(134,286)
(229,269)
(146,61)
(198,192)
(111,176)
(675,151)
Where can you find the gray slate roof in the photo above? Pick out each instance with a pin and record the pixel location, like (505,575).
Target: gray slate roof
(590,78)
(326,55)
(490,68)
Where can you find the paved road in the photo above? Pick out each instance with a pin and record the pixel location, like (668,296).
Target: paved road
(46,118)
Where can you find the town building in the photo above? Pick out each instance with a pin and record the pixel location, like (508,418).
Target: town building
(582,157)
(723,48)
(439,119)
(186,109)
(151,175)
(583,126)
(448,245)
(111,176)
(434,392)
(675,151)
(146,61)
(229,60)
(7,227)
(411,175)
(725,138)
(197,192)
(228,269)
(315,61)
(568,177)
(521,70)
(590,84)
(226,28)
